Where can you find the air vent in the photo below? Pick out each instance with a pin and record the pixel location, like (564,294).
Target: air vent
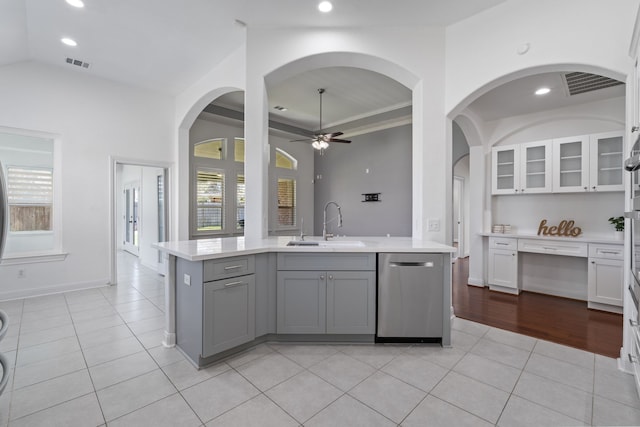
(585,82)
(280,108)
(77,63)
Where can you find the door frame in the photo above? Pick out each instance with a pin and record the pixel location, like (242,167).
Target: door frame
(131,246)
(460,181)
(114,194)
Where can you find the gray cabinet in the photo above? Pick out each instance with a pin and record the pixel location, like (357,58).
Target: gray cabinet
(215,305)
(326,293)
(229,313)
(301,302)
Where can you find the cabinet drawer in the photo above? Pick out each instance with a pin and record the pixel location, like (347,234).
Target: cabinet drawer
(215,269)
(325,261)
(578,249)
(597,250)
(503,243)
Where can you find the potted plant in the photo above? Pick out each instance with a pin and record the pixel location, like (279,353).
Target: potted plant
(618,223)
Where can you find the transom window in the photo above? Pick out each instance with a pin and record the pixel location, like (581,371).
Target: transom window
(285,161)
(209,149)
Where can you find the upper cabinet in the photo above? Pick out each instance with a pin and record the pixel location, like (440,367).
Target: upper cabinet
(522,168)
(573,164)
(606,154)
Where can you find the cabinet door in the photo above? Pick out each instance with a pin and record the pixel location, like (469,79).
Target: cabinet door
(535,167)
(301,302)
(571,164)
(505,170)
(503,268)
(229,314)
(351,302)
(606,157)
(605,281)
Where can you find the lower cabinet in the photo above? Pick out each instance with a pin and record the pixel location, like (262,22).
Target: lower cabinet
(605,281)
(229,313)
(337,297)
(503,264)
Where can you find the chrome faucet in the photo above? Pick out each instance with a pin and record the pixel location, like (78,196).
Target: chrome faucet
(326,235)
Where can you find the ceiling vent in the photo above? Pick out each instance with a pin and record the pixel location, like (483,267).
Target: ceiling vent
(585,82)
(77,63)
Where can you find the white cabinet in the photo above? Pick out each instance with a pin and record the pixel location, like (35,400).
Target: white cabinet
(571,164)
(605,287)
(522,168)
(606,156)
(588,163)
(564,165)
(503,264)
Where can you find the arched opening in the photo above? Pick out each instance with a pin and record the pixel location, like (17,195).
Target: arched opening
(506,113)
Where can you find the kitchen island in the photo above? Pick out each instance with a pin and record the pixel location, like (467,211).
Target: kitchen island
(224,295)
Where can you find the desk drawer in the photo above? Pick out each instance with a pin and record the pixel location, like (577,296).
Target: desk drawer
(597,250)
(215,269)
(503,243)
(578,249)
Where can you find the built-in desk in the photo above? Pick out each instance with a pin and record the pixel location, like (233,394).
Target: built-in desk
(578,268)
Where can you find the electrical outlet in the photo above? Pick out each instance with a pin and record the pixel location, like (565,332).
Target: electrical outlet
(187,280)
(21,274)
(433,224)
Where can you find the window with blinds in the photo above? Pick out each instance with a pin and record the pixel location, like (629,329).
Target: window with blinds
(240,200)
(209,200)
(286,202)
(30,198)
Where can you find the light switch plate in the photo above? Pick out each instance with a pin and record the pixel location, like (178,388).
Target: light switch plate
(433,224)
(187,280)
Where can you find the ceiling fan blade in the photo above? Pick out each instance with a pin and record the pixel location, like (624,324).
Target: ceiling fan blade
(332,134)
(339,140)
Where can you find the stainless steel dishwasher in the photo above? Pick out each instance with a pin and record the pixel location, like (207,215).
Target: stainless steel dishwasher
(410,297)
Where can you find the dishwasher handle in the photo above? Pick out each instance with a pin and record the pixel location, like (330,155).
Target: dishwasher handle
(411,264)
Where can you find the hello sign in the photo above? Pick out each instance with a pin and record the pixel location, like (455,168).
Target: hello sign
(564,229)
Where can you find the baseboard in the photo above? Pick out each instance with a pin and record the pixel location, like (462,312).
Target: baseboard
(475,282)
(55,289)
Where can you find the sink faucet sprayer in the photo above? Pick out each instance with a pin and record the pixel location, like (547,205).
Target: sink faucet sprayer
(326,235)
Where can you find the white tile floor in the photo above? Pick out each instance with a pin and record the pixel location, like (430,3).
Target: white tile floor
(92,358)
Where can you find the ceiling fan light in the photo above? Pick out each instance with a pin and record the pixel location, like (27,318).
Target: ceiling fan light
(323,145)
(316,145)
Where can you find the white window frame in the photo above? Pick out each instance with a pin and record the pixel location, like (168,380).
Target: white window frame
(283,173)
(56,253)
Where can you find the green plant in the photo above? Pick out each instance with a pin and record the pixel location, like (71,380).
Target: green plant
(618,222)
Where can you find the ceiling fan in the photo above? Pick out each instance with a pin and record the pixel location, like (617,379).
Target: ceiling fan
(320,140)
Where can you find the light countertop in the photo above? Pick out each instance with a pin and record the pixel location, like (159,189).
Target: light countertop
(583,239)
(203,249)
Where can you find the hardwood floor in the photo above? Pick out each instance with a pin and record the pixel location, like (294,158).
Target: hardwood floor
(561,320)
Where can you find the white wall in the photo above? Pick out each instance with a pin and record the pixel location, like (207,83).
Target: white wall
(581,35)
(95,119)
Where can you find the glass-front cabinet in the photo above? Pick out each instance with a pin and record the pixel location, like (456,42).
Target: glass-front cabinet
(522,168)
(606,156)
(571,164)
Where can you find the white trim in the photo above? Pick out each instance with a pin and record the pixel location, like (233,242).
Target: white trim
(114,161)
(56,289)
(25,258)
(475,282)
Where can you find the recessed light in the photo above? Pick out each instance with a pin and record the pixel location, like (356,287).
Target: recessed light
(543,91)
(68,41)
(76,3)
(325,6)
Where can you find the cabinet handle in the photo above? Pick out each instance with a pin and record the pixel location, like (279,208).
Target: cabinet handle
(232,267)
(635,128)
(513,254)
(611,252)
(549,249)
(586,188)
(502,244)
(593,262)
(322,277)
(330,277)
(594,188)
(632,359)
(633,323)
(232,284)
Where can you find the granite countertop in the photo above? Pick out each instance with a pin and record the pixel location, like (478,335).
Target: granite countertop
(198,250)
